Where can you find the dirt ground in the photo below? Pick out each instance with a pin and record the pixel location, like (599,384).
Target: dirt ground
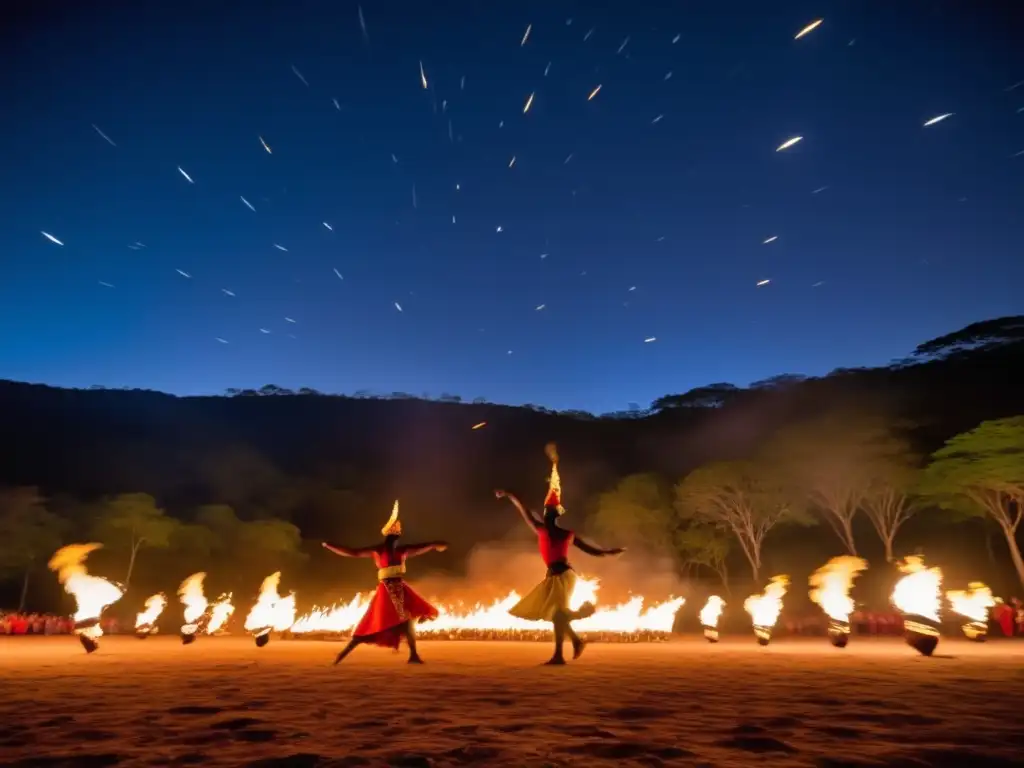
(224,702)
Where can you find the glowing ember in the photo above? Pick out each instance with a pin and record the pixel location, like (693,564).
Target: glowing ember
(709,616)
(626,618)
(92,594)
(918,593)
(764,609)
(973,604)
(272,613)
(145,622)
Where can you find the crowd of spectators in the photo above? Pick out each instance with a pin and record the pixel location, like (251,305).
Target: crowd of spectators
(44,624)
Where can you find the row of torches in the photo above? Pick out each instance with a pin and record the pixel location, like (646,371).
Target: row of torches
(917,595)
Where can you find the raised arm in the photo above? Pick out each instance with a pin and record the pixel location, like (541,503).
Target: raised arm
(421,549)
(348,551)
(590,549)
(528,517)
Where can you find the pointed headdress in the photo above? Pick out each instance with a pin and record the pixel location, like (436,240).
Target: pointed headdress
(393,527)
(554,497)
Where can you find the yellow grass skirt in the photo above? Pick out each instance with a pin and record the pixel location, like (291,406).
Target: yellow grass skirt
(547,598)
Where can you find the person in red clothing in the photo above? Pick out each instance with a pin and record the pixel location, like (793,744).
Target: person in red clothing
(395,607)
(1003,613)
(549,600)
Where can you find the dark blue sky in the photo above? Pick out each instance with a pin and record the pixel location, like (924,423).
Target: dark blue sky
(918,230)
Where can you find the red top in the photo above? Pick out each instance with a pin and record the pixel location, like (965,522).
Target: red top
(385,559)
(554,550)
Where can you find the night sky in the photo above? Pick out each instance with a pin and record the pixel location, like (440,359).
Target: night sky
(640,213)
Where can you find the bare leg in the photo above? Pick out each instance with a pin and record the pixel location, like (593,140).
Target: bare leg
(560,624)
(347,650)
(577,644)
(410,638)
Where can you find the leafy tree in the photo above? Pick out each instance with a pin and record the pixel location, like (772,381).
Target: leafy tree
(638,511)
(838,460)
(888,503)
(248,549)
(981,473)
(131,521)
(743,497)
(708,546)
(29,534)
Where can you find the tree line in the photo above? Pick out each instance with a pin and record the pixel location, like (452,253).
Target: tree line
(828,471)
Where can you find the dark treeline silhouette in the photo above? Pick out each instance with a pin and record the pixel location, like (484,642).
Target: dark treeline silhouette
(242,484)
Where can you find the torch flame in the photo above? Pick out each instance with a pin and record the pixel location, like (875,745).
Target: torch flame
(154,607)
(220,612)
(191,594)
(92,594)
(973,602)
(625,618)
(764,609)
(711,611)
(918,593)
(271,612)
(830,586)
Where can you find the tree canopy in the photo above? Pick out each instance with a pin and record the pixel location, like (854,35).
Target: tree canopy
(981,473)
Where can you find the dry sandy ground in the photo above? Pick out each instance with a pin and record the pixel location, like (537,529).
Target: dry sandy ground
(222,701)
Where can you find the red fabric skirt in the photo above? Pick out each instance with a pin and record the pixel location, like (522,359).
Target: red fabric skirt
(393,604)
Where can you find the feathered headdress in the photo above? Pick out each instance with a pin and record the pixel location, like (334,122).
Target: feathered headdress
(393,527)
(554,497)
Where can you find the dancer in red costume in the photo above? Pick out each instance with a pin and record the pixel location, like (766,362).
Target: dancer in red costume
(395,607)
(549,600)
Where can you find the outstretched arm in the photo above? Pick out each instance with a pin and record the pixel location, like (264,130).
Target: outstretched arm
(590,549)
(528,517)
(348,551)
(421,549)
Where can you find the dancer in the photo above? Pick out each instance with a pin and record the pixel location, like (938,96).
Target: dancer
(549,600)
(395,607)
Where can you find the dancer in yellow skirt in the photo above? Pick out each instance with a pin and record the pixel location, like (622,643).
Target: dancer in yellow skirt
(549,600)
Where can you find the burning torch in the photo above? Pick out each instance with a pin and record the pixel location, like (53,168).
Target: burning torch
(917,596)
(764,609)
(973,605)
(92,594)
(196,617)
(830,588)
(145,622)
(709,616)
(271,613)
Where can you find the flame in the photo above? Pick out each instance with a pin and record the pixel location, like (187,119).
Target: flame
(830,586)
(271,612)
(764,609)
(624,618)
(191,594)
(92,594)
(154,607)
(973,602)
(220,612)
(711,611)
(392,525)
(918,593)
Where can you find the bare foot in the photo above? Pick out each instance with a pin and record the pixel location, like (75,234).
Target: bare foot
(554,661)
(415,660)
(577,649)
